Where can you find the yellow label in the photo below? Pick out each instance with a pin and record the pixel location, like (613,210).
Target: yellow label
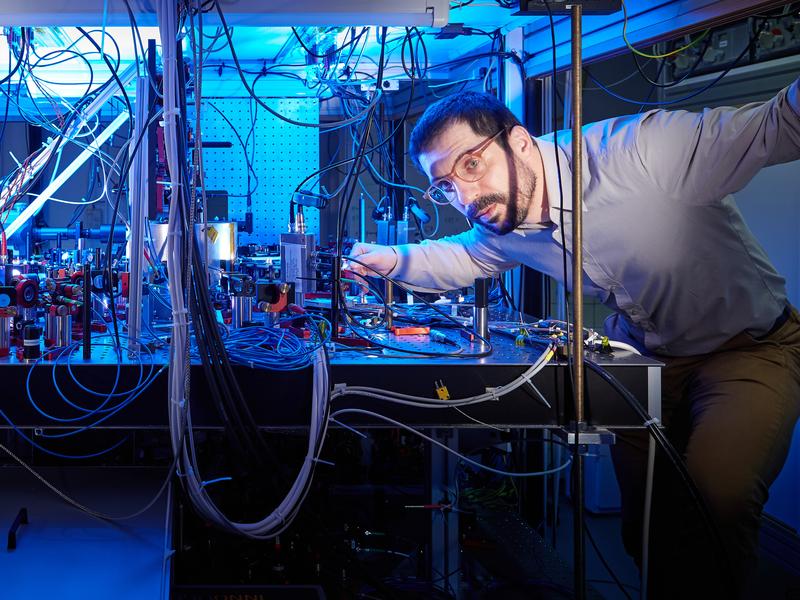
(212,234)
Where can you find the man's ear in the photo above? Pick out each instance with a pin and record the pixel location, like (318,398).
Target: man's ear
(520,140)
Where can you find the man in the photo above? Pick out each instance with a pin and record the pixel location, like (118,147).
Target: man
(667,249)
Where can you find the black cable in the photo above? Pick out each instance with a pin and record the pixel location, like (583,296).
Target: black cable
(652,89)
(238,429)
(416,71)
(88,63)
(608,568)
(19,57)
(369,150)
(241,143)
(472,57)
(430,305)
(8,94)
(124,172)
(654,83)
(138,36)
(114,76)
(703,89)
(324,126)
(241,428)
(349,190)
(59,140)
(554,125)
(251,159)
(226,391)
(92,179)
(680,465)
(421,42)
(268,68)
(69,50)
(507,295)
(334,50)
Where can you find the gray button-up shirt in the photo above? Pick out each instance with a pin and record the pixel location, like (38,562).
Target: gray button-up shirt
(664,243)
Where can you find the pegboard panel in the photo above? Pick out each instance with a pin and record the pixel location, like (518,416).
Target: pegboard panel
(284,155)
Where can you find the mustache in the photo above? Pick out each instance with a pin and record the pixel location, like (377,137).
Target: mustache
(484,202)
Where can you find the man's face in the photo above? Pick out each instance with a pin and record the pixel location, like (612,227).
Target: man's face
(501,198)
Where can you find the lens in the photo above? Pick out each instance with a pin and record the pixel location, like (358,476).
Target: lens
(439,196)
(471,168)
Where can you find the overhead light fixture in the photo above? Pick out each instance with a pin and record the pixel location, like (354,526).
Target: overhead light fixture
(562,7)
(402,13)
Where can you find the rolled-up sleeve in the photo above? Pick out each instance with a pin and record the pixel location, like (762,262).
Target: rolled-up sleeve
(451,262)
(702,157)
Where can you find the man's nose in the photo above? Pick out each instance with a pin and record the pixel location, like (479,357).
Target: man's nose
(468,192)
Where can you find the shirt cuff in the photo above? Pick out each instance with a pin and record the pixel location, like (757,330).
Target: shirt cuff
(399,269)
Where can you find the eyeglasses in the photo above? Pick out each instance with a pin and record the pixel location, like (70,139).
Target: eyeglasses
(469,166)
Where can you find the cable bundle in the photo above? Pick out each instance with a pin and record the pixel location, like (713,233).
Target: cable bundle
(109,403)
(425,402)
(278,349)
(281,517)
(189,294)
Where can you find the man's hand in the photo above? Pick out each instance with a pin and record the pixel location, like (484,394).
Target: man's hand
(382,259)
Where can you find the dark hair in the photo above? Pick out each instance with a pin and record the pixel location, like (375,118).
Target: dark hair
(484,113)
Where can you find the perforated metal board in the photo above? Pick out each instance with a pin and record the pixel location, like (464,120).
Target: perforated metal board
(284,155)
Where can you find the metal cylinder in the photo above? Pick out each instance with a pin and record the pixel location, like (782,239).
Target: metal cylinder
(31,342)
(24,317)
(221,238)
(58,330)
(28,314)
(480,310)
(99,307)
(5,335)
(241,310)
(271,319)
(147,308)
(480,317)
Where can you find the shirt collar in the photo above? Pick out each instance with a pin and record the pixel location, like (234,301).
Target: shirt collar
(548,151)
(547,148)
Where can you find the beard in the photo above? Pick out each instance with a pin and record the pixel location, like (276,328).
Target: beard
(511,208)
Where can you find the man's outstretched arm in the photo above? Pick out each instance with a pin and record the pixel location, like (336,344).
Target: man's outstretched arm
(444,264)
(703,157)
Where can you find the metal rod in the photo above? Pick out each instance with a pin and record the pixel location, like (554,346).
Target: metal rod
(577,216)
(138,186)
(87,310)
(577,297)
(389,299)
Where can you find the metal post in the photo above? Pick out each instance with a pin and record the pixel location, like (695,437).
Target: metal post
(389,300)
(577,297)
(445,558)
(87,310)
(138,185)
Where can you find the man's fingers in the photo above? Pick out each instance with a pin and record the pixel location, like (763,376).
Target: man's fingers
(357,280)
(349,265)
(360,248)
